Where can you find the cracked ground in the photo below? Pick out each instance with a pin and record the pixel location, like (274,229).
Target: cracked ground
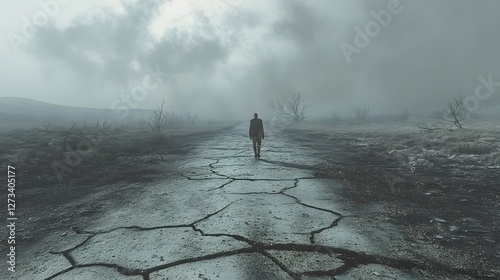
(221,214)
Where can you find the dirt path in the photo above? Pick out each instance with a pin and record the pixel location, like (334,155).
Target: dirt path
(217,213)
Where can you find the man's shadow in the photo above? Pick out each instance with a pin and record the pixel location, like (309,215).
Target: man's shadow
(287,164)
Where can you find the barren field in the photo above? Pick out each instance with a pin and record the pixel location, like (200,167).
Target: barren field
(440,187)
(326,201)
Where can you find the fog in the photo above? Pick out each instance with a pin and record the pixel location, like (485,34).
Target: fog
(230,58)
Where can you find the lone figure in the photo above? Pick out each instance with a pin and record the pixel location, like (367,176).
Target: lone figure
(256,133)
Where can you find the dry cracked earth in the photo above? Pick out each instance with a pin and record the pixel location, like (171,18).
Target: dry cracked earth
(221,214)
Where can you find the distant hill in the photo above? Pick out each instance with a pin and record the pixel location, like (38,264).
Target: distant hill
(22,111)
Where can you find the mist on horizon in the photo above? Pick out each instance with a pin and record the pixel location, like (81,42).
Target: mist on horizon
(231,58)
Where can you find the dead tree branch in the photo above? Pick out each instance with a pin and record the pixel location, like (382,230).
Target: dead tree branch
(362,112)
(456,112)
(336,115)
(404,115)
(158,120)
(291,109)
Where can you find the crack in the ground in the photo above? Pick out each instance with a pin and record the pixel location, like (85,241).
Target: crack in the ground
(313,233)
(146,273)
(233,236)
(66,252)
(122,270)
(283,267)
(138,228)
(222,186)
(333,272)
(318,231)
(350,259)
(296,181)
(202,179)
(250,193)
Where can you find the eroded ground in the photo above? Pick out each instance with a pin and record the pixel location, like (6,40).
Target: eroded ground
(206,209)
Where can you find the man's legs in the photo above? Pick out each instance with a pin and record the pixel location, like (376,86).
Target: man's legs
(259,143)
(254,140)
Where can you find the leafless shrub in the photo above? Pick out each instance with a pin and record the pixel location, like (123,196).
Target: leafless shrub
(404,115)
(76,133)
(362,112)
(158,120)
(292,109)
(336,116)
(191,118)
(456,112)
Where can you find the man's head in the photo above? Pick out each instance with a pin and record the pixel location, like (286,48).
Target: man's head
(255,115)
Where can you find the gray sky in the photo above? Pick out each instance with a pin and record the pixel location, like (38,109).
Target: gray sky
(232,57)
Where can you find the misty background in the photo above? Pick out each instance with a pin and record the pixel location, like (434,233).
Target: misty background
(231,58)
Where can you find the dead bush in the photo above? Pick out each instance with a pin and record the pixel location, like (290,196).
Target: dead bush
(456,112)
(336,116)
(404,115)
(291,109)
(362,112)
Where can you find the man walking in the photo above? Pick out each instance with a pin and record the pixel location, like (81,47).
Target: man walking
(256,133)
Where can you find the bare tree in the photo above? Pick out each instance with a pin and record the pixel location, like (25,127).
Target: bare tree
(336,115)
(362,112)
(456,112)
(191,118)
(158,120)
(404,115)
(291,109)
